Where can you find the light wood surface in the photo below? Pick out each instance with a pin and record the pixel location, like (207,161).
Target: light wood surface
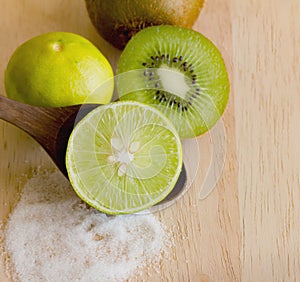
(248,228)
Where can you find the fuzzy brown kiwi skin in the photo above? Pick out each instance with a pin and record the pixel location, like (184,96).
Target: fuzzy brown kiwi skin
(118,20)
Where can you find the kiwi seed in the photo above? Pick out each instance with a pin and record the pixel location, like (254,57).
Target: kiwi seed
(163,96)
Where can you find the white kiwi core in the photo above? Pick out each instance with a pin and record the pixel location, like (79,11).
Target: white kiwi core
(173,81)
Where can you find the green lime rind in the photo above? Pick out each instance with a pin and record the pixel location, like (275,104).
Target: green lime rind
(58,69)
(124,136)
(202,59)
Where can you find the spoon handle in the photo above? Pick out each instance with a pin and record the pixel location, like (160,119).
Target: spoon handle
(38,122)
(50,127)
(10,110)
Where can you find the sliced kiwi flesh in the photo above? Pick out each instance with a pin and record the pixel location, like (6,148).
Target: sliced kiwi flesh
(118,20)
(180,72)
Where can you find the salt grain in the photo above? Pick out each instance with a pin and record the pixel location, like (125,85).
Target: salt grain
(53,236)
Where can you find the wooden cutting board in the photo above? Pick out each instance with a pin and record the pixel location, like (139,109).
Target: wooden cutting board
(248,228)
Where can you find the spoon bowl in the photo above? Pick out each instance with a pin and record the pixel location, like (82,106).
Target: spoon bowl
(51,128)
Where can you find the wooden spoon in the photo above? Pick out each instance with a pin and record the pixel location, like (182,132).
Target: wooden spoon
(51,128)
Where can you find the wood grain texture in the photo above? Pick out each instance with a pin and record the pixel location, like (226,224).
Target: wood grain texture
(267,101)
(247,229)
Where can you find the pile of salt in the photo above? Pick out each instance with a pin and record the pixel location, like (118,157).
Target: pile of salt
(53,236)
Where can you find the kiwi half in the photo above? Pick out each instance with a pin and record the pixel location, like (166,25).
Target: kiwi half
(180,72)
(118,20)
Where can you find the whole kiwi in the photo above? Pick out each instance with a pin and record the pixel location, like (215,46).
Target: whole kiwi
(118,20)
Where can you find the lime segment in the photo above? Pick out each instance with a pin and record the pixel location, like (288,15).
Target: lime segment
(124,157)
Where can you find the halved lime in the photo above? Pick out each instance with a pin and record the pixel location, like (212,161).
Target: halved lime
(124,157)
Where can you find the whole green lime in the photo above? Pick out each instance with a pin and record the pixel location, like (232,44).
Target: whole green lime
(59,69)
